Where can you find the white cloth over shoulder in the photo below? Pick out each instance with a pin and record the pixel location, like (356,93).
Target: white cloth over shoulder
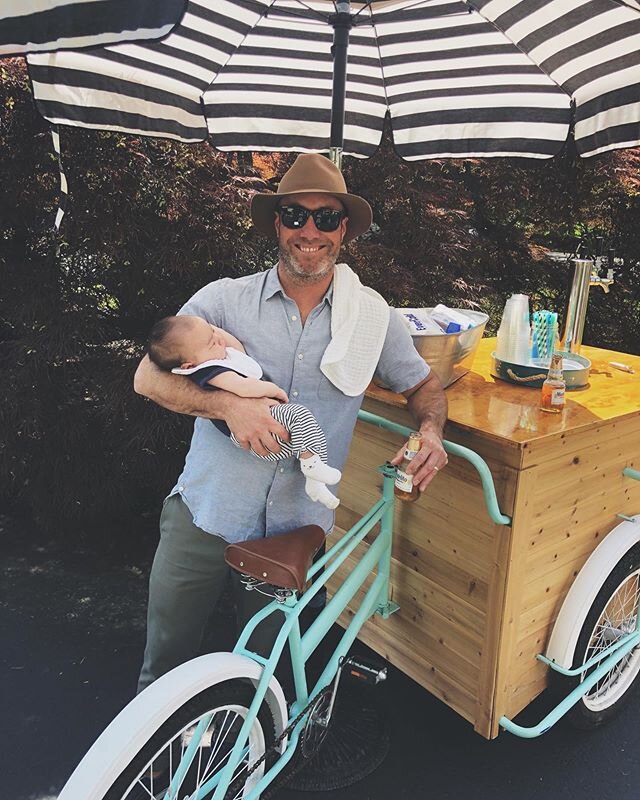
(236,360)
(359,322)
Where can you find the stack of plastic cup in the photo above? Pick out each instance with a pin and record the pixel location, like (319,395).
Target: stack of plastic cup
(514,334)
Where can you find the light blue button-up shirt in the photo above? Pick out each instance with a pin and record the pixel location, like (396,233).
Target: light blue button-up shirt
(233,493)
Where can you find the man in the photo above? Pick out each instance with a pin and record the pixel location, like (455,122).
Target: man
(284,319)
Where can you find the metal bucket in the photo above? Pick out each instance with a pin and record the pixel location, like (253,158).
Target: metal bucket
(451,355)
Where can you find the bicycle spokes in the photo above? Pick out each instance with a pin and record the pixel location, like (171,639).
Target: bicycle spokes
(183,768)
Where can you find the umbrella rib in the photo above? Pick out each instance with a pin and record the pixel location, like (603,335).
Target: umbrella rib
(627,5)
(367,4)
(384,84)
(529,58)
(230,54)
(271,7)
(290,12)
(433,13)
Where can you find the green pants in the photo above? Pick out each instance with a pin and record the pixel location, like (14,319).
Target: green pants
(187,578)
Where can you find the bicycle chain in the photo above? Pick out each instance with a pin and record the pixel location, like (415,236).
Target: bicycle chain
(285,733)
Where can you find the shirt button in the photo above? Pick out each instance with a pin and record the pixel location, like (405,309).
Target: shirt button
(300,356)
(181,488)
(270,502)
(293,318)
(281,469)
(295,394)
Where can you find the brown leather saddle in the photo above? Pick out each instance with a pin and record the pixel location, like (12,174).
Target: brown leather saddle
(282,561)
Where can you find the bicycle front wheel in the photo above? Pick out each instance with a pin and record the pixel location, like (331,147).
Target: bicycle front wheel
(158,764)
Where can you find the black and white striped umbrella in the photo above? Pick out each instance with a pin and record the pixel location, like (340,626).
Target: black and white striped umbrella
(483,77)
(30,26)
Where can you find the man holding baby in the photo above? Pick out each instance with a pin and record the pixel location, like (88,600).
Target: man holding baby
(319,335)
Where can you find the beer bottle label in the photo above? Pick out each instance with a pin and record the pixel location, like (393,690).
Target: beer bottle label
(404,482)
(557,397)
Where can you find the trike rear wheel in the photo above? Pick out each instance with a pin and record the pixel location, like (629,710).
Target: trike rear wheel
(614,613)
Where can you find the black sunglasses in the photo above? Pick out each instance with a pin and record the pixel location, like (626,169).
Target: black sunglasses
(326,219)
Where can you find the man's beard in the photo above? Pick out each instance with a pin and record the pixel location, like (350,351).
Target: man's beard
(294,269)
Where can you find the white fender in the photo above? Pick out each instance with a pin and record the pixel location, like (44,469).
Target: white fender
(585,588)
(129,731)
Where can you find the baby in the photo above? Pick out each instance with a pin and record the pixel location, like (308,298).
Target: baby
(214,359)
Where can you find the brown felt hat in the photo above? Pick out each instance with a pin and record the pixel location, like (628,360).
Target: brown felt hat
(314,173)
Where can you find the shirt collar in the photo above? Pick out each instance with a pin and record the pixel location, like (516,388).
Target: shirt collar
(272,283)
(272,286)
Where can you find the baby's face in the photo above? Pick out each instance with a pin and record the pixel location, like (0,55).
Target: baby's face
(205,342)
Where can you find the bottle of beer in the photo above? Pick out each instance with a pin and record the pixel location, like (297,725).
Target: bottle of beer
(404,488)
(552,393)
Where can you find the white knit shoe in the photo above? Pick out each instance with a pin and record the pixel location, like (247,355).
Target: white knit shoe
(313,467)
(318,492)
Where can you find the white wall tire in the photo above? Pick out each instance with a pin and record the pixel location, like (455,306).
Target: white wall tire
(152,768)
(613,613)
(129,733)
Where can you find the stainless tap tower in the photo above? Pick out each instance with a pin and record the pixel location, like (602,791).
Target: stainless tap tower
(586,273)
(576,306)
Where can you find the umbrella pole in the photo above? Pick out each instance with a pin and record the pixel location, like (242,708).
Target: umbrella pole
(335,155)
(342,23)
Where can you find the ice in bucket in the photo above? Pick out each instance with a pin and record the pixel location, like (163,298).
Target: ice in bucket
(420,322)
(514,334)
(451,320)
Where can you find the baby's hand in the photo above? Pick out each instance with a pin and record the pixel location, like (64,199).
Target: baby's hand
(272,390)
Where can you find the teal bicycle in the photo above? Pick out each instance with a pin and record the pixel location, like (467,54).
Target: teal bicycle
(219,727)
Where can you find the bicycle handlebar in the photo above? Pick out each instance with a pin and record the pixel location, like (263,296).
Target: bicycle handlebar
(455,450)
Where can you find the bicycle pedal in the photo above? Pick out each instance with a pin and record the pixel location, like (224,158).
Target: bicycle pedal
(365,670)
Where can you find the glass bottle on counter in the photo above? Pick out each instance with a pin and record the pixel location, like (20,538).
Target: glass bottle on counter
(404,488)
(552,393)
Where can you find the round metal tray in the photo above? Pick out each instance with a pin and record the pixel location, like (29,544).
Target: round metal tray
(534,374)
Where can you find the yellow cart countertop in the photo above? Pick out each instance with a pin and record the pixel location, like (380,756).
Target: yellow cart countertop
(495,409)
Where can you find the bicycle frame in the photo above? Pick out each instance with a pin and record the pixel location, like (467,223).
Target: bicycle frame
(376,600)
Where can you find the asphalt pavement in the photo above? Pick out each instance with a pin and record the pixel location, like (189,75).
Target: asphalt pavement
(72,632)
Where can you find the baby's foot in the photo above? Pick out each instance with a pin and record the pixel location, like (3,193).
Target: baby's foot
(318,491)
(313,467)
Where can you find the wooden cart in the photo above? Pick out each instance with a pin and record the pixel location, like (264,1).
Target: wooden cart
(478,601)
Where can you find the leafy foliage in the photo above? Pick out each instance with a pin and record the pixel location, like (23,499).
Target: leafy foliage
(471,232)
(150,221)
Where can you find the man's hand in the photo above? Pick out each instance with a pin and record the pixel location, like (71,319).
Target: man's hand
(250,421)
(428,406)
(427,462)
